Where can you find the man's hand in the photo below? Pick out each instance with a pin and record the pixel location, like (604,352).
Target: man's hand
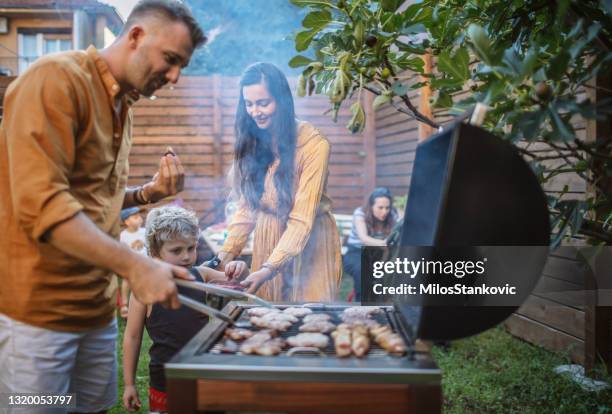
(168,180)
(151,281)
(254,281)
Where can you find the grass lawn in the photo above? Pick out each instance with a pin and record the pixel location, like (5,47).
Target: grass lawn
(496,373)
(488,373)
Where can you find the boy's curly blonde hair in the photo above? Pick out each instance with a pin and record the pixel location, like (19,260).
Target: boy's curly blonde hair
(169,223)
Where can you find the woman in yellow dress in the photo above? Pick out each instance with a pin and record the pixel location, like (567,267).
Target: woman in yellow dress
(280,174)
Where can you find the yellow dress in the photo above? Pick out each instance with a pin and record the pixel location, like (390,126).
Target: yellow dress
(304,249)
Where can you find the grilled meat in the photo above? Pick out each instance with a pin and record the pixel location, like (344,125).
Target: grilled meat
(317,326)
(298,312)
(261,311)
(342,340)
(360,340)
(316,317)
(388,340)
(279,325)
(238,334)
(262,343)
(361,311)
(317,340)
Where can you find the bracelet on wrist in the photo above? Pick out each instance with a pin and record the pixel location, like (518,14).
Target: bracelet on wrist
(139,197)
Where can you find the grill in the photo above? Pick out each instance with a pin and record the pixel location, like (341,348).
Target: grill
(206,379)
(333,312)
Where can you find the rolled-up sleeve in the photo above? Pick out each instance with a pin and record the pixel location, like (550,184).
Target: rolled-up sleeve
(40,123)
(307,199)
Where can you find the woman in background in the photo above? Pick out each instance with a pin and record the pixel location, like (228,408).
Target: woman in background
(372,224)
(281,169)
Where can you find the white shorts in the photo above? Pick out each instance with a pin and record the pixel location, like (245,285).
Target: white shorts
(37,360)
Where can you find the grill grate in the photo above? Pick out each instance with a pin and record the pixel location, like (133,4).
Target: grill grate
(375,350)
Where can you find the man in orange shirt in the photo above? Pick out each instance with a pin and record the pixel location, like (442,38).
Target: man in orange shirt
(64,145)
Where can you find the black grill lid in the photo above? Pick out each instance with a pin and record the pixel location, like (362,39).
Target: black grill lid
(469,188)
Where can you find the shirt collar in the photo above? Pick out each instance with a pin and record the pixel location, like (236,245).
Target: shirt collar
(110,83)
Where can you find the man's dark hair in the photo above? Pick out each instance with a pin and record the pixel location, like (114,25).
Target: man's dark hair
(172,10)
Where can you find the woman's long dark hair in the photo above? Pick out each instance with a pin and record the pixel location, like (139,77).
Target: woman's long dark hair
(254,152)
(372,223)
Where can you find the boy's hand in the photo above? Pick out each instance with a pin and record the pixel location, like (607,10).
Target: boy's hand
(131,402)
(236,269)
(151,280)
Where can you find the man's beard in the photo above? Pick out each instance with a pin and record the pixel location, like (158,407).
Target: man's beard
(153,85)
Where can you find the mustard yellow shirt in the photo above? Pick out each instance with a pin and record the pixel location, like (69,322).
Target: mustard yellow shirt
(63,150)
(310,199)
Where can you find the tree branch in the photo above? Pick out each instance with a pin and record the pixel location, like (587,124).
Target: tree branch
(412,112)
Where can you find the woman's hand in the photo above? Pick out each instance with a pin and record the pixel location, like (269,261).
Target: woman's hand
(131,402)
(254,281)
(236,269)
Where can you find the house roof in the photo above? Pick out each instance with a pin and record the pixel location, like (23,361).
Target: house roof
(115,21)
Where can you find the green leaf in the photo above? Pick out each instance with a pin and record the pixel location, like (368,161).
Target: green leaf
(412,48)
(558,65)
(390,5)
(530,123)
(391,22)
(540,75)
(531,58)
(304,38)
(562,6)
(298,61)
(456,67)
(357,122)
(493,91)
(582,165)
(317,19)
(446,83)
(380,100)
(513,61)
(444,100)
(481,44)
(577,216)
(560,126)
(359,34)
(415,64)
(313,68)
(339,87)
(301,86)
(312,3)
(578,45)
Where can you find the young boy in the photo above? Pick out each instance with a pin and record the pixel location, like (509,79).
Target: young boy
(134,236)
(171,235)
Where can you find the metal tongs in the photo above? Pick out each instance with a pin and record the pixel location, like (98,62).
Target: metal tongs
(210,288)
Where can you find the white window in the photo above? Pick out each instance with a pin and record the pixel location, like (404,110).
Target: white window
(34,45)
